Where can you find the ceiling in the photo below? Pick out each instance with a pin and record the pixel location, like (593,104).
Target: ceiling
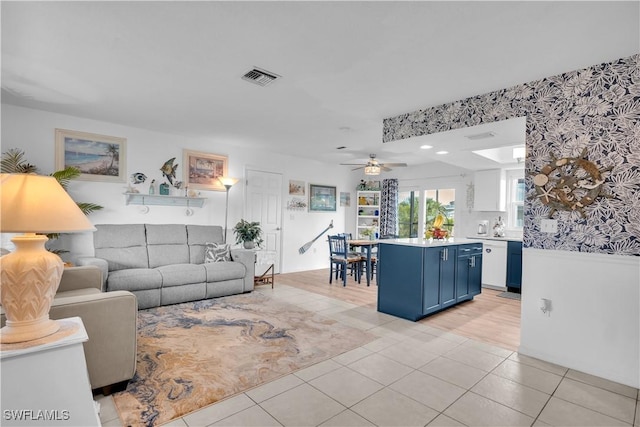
(176,67)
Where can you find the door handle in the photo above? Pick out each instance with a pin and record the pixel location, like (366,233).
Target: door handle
(277,228)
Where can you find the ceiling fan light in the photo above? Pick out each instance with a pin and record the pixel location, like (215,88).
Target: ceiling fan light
(372,170)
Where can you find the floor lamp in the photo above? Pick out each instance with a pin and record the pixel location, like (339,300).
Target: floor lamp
(228,183)
(29,277)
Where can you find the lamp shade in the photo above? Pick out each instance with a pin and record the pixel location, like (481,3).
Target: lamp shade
(38,204)
(227,181)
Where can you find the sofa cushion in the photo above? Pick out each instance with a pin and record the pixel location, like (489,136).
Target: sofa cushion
(218,271)
(160,255)
(167,244)
(123,246)
(134,279)
(124,258)
(217,252)
(198,236)
(166,234)
(119,235)
(203,234)
(182,274)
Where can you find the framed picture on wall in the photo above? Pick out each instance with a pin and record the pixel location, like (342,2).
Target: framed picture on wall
(99,157)
(202,170)
(296,188)
(322,198)
(345,199)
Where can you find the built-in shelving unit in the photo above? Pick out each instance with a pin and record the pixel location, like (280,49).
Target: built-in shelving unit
(368,213)
(158,200)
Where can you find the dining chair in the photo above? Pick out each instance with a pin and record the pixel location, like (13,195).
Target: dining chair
(341,259)
(374,264)
(351,252)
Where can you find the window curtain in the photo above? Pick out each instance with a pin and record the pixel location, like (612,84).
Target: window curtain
(389,208)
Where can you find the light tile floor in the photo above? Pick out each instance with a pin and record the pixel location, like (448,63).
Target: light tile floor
(416,375)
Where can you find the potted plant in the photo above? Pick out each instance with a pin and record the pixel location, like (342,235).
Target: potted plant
(248,233)
(368,233)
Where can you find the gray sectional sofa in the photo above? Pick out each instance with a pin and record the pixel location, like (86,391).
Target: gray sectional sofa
(164,263)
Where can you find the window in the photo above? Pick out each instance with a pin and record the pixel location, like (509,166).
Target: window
(440,202)
(408,213)
(515,199)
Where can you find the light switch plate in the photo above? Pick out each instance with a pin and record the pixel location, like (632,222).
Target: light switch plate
(549,225)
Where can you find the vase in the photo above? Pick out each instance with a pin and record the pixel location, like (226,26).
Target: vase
(164,189)
(248,244)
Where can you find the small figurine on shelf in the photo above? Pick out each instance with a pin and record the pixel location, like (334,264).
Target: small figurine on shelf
(138,178)
(152,187)
(362,185)
(164,189)
(177,187)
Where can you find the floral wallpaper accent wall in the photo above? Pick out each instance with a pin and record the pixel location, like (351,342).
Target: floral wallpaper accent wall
(597,108)
(389,208)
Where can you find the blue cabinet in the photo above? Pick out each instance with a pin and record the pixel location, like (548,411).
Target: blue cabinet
(514,265)
(438,280)
(415,281)
(400,287)
(468,271)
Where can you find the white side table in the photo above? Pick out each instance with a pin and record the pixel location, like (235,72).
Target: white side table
(45,382)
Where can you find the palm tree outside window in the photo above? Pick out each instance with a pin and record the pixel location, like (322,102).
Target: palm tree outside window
(440,202)
(408,209)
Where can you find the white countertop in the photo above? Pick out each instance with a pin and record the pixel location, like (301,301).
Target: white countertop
(428,242)
(489,237)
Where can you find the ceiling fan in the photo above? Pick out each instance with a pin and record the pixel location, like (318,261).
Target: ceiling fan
(373,167)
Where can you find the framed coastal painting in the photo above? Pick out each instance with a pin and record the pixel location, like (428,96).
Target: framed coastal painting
(99,157)
(296,188)
(322,198)
(202,170)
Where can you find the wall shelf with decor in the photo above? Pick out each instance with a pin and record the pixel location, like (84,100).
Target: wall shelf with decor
(158,200)
(368,214)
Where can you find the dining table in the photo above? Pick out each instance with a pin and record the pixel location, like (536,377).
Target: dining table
(365,245)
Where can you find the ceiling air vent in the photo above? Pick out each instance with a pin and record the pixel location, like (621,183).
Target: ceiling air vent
(483,135)
(260,77)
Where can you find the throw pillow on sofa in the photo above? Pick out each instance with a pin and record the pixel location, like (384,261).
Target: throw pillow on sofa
(217,252)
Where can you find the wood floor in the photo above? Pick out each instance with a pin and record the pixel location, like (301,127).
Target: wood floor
(487,318)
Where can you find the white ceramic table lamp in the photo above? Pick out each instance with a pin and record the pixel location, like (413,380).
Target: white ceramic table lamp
(30,276)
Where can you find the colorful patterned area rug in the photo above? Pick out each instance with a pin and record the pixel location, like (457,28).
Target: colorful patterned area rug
(192,355)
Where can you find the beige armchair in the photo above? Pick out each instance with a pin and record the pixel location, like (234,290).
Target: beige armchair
(110,321)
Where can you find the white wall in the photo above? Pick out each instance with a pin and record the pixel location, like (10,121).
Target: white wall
(594,323)
(33,131)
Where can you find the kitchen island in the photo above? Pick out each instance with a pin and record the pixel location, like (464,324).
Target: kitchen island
(418,277)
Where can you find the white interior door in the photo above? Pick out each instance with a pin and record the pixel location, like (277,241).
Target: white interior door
(264,204)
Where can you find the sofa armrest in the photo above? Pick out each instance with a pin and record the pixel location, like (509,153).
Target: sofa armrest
(248,259)
(110,321)
(74,278)
(102,264)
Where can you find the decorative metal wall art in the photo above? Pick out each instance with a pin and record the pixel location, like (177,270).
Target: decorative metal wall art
(569,183)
